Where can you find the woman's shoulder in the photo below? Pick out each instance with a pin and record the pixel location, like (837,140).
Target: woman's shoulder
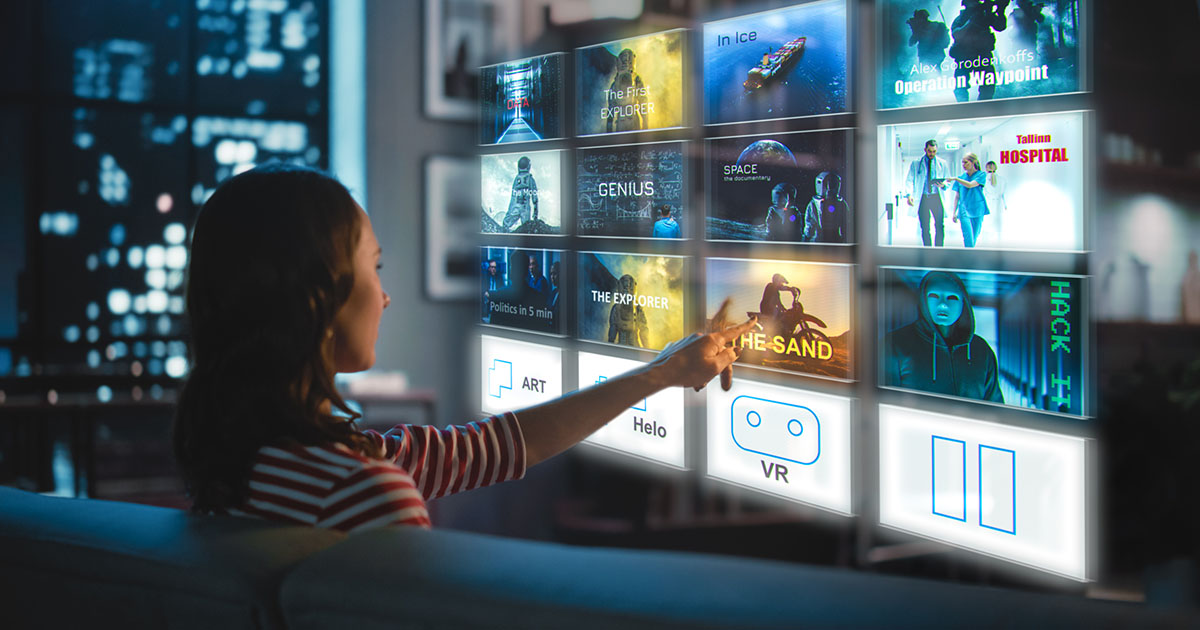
(330,485)
(328,460)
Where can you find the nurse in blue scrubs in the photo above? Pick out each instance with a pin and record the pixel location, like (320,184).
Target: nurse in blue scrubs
(970,205)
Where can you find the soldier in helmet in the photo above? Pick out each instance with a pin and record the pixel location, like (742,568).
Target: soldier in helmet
(628,84)
(524,201)
(931,38)
(1028,17)
(974,31)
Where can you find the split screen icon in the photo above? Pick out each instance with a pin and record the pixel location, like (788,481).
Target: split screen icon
(997,483)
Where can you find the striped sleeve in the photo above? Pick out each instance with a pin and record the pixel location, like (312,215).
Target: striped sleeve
(458,458)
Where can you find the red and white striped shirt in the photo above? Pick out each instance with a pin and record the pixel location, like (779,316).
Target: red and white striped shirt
(332,486)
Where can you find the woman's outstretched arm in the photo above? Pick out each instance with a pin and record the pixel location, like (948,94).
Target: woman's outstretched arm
(553,427)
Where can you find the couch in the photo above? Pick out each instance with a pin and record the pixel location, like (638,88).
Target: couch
(68,563)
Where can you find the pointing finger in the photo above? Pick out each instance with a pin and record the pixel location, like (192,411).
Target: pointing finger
(729,334)
(721,319)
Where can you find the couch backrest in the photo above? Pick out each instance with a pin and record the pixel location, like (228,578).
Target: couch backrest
(443,579)
(70,563)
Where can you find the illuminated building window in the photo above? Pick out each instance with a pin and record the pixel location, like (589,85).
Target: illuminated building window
(140,110)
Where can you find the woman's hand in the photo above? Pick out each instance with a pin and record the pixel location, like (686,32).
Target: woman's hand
(694,360)
(550,428)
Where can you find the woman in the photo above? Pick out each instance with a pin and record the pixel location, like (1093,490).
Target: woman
(969,202)
(283,292)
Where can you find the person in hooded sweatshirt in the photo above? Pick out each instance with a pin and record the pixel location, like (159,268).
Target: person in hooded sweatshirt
(940,352)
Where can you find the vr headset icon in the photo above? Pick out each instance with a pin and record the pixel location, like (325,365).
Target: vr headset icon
(776,429)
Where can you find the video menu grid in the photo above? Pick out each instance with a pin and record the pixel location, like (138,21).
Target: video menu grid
(933,270)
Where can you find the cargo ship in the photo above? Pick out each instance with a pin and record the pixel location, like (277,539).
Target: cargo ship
(775,64)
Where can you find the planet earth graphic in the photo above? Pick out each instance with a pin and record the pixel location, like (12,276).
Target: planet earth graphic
(768,153)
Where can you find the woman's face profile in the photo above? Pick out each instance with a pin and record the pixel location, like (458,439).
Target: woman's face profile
(356,325)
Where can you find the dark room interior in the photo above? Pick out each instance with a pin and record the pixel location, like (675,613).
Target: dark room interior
(963,236)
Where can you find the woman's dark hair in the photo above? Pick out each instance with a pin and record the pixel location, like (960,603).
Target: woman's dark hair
(271,264)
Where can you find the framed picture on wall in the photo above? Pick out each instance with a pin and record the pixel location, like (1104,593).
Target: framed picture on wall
(461,36)
(451,228)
